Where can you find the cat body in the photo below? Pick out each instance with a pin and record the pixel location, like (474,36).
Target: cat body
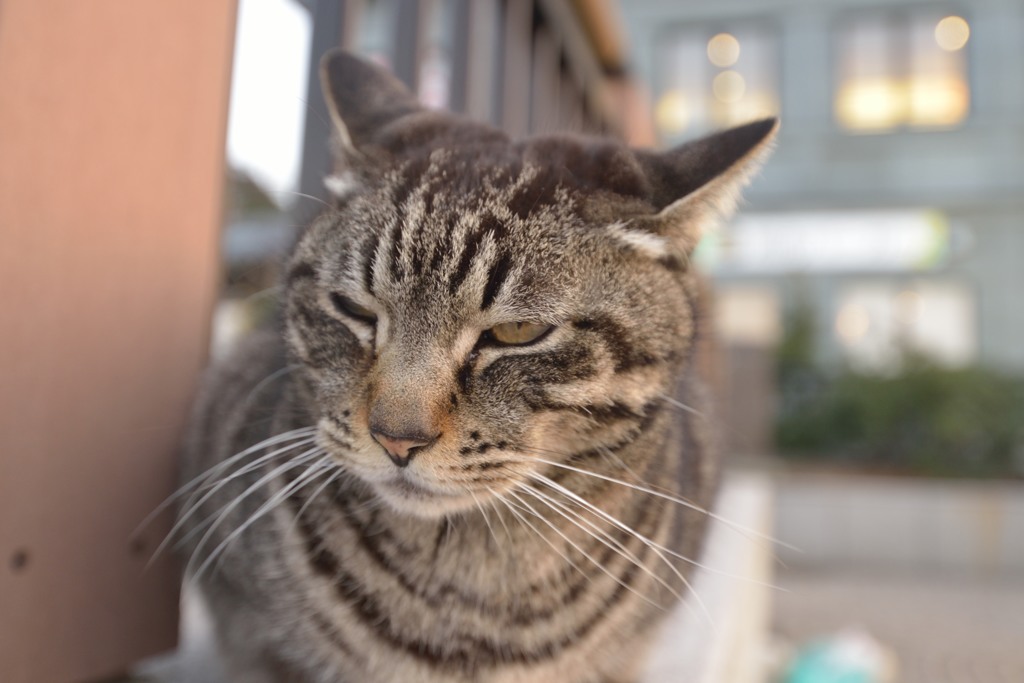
(468,451)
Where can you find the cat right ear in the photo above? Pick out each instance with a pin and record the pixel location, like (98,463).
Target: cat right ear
(697,183)
(363,99)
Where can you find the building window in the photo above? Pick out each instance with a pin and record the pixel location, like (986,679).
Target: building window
(711,79)
(878,323)
(900,70)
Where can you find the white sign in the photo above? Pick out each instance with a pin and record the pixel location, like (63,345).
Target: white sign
(857,241)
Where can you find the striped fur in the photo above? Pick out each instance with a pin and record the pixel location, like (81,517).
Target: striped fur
(481,560)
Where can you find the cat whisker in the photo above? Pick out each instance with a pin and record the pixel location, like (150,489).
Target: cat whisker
(311,474)
(262,293)
(314,472)
(739,529)
(300,433)
(682,406)
(234,475)
(487,520)
(323,486)
(373,504)
(197,481)
(218,516)
(599,535)
(270,378)
(226,510)
(198,498)
(584,553)
(658,549)
(301,194)
(684,558)
(515,513)
(501,519)
(311,110)
(639,479)
(247,467)
(695,563)
(744,530)
(196,501)
(610,455)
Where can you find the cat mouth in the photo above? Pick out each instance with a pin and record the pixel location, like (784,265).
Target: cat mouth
(407,496)
(405,487)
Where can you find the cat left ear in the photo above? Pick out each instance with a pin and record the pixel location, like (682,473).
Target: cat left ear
(363,99)
(699,182)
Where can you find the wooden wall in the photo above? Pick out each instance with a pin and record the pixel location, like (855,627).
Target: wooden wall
(112,127)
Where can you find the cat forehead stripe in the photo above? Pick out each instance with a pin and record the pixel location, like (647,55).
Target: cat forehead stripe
(456,238)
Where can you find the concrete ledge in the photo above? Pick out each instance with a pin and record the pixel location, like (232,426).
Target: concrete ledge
(882,523)
(727,643)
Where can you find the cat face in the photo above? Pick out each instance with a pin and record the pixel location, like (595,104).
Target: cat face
(474,307)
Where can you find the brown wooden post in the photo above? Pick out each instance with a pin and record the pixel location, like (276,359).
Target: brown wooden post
(112,128)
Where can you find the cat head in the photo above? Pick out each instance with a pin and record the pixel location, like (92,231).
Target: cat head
(474,308)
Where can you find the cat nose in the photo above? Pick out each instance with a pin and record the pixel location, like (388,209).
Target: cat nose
(401,449)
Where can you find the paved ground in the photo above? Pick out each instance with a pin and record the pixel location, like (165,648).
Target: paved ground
(942,630)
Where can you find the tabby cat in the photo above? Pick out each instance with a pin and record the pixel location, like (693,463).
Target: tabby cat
(468,450)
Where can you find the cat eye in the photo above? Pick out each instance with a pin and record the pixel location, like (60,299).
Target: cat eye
(518,333)
(350,308)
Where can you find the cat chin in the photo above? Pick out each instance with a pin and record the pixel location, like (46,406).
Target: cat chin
(416,501)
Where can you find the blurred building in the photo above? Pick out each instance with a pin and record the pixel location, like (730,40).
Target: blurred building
(894,203)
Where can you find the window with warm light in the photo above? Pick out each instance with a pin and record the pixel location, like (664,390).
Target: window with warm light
(902,71)
(710,79)
(877,323)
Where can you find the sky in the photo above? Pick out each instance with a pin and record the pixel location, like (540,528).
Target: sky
(268,93)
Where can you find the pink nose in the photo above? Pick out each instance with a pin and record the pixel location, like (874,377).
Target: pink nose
(401,449)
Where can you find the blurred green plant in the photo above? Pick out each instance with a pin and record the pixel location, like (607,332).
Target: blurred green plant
(925,419)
